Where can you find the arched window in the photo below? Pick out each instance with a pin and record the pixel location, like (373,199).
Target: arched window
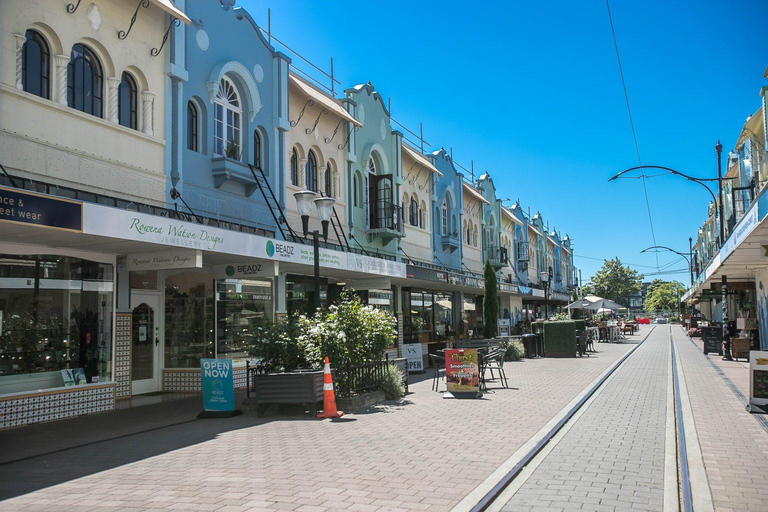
(371,166)
(84,81)
(127,98)
(256,149)
(474,236)
(328,180)
(227,115)
(423,215)
(311,172)
(294,168)
(35,62)
(414,212)
(468,233)
(445,218)
(193,141)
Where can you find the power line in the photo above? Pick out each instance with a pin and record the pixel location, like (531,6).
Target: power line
(632,124)
(606,259)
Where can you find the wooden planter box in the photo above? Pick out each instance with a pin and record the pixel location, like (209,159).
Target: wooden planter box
(303,387)
(740,348)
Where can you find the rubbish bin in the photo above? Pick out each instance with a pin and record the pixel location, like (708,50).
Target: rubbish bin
(540,344)
(529,344)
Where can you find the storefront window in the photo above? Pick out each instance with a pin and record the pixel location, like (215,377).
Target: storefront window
(143,280)
(188,319)
(380,299)
(444,316)
(243,310)
(419,316)
(299,292)
(55,314)
(472,316)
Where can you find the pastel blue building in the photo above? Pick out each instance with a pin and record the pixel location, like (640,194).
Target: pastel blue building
(228,108)
(374,174)
(448,189)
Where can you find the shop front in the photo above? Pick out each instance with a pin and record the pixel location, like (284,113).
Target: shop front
(136,312)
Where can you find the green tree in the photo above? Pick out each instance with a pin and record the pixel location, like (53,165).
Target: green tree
(663,296)
(490,302)
(614,281)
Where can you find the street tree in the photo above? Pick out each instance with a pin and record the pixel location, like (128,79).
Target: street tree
(490,302)
(615,281)
(663,295)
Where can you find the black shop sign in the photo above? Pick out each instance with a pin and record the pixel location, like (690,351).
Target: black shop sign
(40,210)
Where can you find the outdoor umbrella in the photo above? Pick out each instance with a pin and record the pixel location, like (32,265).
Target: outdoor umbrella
(603,304)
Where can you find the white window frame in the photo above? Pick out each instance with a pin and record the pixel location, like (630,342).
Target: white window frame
(444,217)
(222,101)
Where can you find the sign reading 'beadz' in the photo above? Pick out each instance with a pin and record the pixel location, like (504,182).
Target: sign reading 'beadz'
(28,208)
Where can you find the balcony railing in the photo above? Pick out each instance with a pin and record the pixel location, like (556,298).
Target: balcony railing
(497,256)
(386,217)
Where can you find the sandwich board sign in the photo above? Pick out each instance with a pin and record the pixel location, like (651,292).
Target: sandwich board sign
(462,373)
(218,385)
(758,381)
(413,353)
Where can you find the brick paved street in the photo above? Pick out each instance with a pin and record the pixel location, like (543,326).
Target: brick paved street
(613,456)
(425,454)
(734,445)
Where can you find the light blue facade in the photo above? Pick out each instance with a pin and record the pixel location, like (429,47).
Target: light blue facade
(448,188)
(520,251)
(558,277)
(491,220)
(374,174)
(223,57)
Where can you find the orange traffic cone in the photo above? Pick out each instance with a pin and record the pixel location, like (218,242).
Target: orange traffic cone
(329,398)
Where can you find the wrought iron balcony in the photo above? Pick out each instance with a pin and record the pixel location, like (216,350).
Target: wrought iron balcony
(385,219)
(497,256)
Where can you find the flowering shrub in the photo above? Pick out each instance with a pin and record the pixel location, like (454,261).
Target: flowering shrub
(349,332)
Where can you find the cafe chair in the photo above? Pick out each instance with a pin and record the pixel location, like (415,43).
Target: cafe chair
(495,361)
(438,365)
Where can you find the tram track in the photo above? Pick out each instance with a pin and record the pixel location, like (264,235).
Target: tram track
(495,498)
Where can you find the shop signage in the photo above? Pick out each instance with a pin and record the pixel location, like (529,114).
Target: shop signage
(743,229)
(370,265)
(218,384)
(462,375)
(508,287)
(426,274)
(758,381)
(376,283)
(473,282)
(413,353)
(141,227)
(170,259)
(537,292)
(251,269)
(21,207)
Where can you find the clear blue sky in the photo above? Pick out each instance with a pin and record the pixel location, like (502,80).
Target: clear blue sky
(531,92)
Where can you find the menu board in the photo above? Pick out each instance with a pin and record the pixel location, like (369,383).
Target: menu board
(462,373)
(758,379)
(712,337)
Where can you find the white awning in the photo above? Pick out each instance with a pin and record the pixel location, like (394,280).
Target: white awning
(476,194)
(169,7)
(421,159)
(323,99)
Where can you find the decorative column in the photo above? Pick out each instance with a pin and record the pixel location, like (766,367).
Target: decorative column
(20,40)
(112,85)
(303,173)
(148,108)
(60,76)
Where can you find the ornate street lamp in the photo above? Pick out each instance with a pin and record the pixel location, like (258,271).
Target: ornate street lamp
(545,279)
(324,206)
(686,257)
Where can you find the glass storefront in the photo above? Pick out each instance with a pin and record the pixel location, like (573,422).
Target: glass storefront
(427,316)
(243,309)
(189,322)
(472,316)
(444,316)
(56,317)
(299,291)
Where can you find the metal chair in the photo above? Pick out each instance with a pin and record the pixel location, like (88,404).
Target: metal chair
(495,361)
(583,340)
(438,365)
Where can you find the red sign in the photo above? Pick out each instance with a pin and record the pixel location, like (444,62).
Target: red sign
(462,374)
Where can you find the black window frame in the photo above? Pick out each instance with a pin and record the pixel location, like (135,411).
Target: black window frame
(256,149)
(328,181)
(294,168)
(93,105)
(193,138)
(128,89)
(42,67)
(310,171)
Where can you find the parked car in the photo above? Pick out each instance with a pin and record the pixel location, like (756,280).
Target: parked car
(661,320)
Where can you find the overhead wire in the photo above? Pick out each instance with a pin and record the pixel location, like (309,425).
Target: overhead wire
(632,125)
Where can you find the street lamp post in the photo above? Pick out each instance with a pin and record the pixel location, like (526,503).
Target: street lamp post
(324,206)
(545,280)
(726,338)
(690,256)
(719,151)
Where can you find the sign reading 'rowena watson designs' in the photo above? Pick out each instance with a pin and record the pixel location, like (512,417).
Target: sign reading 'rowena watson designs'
(40,210)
